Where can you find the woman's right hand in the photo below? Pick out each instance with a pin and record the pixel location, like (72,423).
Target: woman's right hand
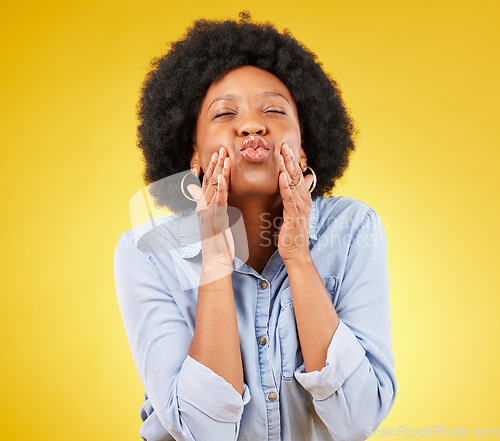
(217,241)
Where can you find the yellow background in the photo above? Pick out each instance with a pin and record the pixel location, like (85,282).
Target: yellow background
(421,80)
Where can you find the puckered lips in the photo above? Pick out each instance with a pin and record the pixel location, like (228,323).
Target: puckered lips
(255,148)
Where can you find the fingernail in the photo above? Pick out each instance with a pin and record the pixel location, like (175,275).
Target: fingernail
(221,152)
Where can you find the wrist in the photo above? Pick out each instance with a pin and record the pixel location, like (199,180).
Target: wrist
(213,262)
(218,250)
(213,271)
(298,260)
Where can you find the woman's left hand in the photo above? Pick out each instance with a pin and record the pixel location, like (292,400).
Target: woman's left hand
(293,233)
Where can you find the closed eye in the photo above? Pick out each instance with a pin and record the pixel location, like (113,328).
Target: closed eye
(233,113)
(223,114)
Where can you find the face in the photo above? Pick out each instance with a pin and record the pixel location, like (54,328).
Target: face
(246,107)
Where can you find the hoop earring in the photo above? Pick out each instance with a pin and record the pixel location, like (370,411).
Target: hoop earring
(315,179)
(182,187)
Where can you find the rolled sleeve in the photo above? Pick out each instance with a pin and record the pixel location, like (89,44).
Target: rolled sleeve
(356,389)
(344,355)
(178,388)
(211,394)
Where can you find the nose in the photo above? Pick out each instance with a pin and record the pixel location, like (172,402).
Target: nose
(251,124)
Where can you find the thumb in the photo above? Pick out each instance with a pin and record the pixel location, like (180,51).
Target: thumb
(308,180)
(195,191)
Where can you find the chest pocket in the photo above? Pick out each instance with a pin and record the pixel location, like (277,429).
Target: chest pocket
(291,354)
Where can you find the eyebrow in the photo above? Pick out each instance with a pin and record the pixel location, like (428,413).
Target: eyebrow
(236,97)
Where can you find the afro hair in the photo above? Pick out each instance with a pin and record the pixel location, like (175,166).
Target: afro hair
(174,87)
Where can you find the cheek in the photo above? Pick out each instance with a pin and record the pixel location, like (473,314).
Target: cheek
(291,135)
(206,147)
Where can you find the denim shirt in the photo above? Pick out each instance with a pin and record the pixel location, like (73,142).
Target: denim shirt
(347,400)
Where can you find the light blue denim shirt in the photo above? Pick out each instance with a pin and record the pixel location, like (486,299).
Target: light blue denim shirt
(185,400)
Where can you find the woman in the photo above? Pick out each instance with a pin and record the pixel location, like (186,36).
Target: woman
(279,331)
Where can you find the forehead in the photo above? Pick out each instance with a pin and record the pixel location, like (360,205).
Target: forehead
(246,80)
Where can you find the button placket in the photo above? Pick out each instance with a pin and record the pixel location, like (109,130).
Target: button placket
(267,376)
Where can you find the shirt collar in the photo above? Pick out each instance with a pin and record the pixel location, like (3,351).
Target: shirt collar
(189,236)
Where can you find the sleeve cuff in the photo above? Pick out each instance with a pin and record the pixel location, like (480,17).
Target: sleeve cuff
(344,355)
(203,389)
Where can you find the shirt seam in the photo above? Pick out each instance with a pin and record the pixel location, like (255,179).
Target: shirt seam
(367,215)
(145,255)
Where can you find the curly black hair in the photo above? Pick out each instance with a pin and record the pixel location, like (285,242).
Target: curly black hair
(177,82)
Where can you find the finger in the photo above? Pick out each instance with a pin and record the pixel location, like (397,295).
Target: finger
(289,206)
(226,171)
(210,170)
(308,180)
(195,191)
(222,185)
(220,203)
(221,191)
(302,186)
(197,194)
(282,168)
(293,188)
(283,160)
(293,171)
(211,186)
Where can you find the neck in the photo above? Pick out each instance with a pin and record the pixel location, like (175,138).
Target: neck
(261,215)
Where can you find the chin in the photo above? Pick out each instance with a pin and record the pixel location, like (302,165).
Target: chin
(253,188)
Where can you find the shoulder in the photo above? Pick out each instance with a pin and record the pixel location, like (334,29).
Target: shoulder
(341,203)
(343,209)
(150,238)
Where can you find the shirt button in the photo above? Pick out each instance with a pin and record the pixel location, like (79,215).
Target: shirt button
(272,397)
(263,284)
(262,341)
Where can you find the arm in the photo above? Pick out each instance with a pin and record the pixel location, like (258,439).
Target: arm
(356,389)
(216,341)
(351,344)
(315,314)
(191,401)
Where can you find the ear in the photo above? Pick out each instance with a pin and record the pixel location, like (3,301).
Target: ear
(195,162)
